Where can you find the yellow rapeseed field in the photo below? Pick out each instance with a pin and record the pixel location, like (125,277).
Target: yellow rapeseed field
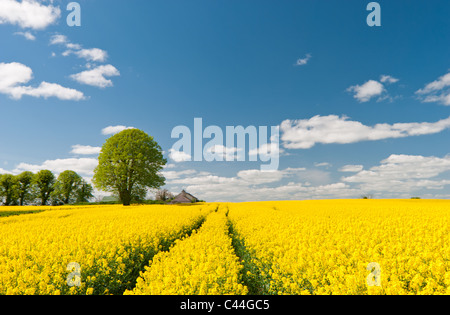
(203,264)
(290,247)
(106,245)
(325,247)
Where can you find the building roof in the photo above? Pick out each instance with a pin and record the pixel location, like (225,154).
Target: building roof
(184,197)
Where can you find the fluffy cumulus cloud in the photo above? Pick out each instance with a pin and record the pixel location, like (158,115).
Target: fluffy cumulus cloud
(220,152)
(83,166)
(112,130)
(3,171)
(97,76)
(260,177)
(85,150)
(255,185)
(388,79)
(372,89)
(398,176)
(306,133)
(367,91)
(89,54)
(26,35)
(92,54)
(31,14)
(351,168)
(171,175)
(403,173)
(179,156)
(14,76)
(58,39)
(437,91)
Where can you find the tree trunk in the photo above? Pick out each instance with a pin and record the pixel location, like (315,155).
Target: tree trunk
(44,198)
(125,197)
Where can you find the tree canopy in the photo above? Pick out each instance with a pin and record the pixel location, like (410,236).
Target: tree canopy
(66,186)
(24,187)
(45,181)
(8,189)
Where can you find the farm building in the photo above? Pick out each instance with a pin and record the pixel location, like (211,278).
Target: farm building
(184,197)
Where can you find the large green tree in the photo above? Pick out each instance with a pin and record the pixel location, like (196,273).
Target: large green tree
(129,163)
(45,185)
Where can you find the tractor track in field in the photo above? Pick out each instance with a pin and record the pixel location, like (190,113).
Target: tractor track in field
(165,247)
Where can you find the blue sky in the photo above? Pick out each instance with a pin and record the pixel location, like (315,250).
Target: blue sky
(155,65)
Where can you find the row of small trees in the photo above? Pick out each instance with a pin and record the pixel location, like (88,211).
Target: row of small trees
(44,188)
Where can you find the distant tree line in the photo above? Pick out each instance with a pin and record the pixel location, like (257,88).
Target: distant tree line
(43,188)
(164,195)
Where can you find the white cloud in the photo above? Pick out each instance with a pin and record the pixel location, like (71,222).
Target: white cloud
(2,172)
(47,90)
(304,134)
(178,156)
(303,61)
(205,180)
(14,75)
(171,175)
(437,85)
(73,46)
(367,91)
(96,76)
(217,188)
(437,91)
(258,177)
(388,79)
(403,173)
(28,13)
(111,130)
(443,99)
(323,164)
(314,177)
(92,54)
(85,150)
(246,185)
(27,35)
(267,150)
(393,178)
(83,166)
(351,168)
(399,176)
(58,39)
(222,153)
